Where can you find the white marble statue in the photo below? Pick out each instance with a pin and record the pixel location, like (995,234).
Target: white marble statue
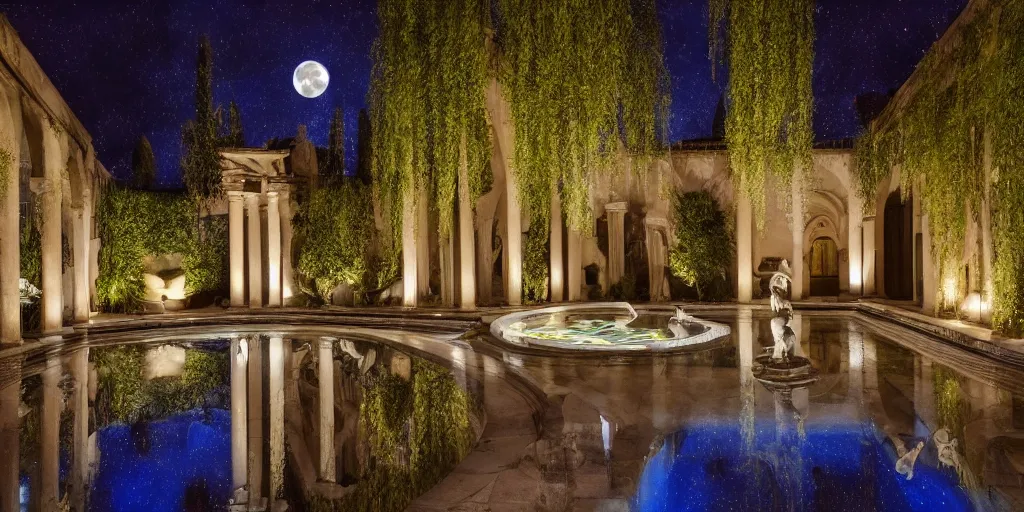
(782,333)
(905,464)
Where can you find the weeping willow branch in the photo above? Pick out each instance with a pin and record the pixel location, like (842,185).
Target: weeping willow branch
(583,80)
(426,97)
(770,54)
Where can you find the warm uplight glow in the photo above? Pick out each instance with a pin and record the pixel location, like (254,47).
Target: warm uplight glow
(949,290)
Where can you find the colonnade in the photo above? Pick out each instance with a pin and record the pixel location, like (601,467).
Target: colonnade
(62,167)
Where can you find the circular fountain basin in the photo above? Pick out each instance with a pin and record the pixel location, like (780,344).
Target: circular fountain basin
(606,326)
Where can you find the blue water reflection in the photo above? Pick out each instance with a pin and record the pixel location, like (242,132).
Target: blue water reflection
(834,467)
(160,466)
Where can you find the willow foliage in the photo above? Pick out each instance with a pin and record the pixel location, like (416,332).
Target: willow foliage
(770,55)
(427,104)
(967,92)
(580,77)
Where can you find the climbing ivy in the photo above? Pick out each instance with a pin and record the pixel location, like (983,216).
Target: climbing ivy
(6,165)
(582,79)
(966,92)
(334,225)
(427,105)
(134,224)
(770,56)
(417,432)
(125,396)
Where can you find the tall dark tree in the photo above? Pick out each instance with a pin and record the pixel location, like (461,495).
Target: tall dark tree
(199,137)
(143,164)
(334,168)
(236,137)
(364,171)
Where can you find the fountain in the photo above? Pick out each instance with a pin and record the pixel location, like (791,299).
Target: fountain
(784,368)
(607,326)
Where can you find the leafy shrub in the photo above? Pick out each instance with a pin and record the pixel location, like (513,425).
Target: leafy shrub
(134,224)
(704,246)
(335,226)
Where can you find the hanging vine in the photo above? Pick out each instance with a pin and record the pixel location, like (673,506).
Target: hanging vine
(770,54)
(427,105)
(966,92)
(582,79)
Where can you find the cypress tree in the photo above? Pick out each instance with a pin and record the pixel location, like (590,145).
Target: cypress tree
(143,165)
(200,162)
(236,137)
(363,169)
(334,168)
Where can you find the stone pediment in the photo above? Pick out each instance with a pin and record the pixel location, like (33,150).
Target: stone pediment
(245,168)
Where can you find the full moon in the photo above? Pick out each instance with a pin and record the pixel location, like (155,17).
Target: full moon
(310,79)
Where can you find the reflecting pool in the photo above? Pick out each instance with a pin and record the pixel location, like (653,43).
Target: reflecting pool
(437,418)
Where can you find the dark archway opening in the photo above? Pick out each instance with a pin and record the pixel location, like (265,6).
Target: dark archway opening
(824,267)
(899,248)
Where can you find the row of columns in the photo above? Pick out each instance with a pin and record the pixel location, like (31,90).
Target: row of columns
(245,232)
(46,490)
(247,416)
(57,154)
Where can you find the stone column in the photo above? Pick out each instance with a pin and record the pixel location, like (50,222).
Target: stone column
(485,259)
(80,430)
(744,246)
(239,358)
(514,240)
(467,244)
(252,209)
(255,420)
(80,247)
(273,250)
(616,241)
(287,284)
(276,386)
(446,260)
(53,292)
(574,265)
(49,435)
(410,280)
(326,367)
(423,242)
(10,248)
(656,256)
(855,215)
(796,262)
(10,422)
(868,259)
(236,248)
(557,270)
(930,288)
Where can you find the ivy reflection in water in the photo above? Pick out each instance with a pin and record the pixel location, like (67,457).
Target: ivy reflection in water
(165,442)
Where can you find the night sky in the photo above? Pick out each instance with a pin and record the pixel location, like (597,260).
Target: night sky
(129,69)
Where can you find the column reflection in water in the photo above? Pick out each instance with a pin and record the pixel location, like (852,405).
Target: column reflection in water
(745,333)
(255,427)
(10,423)
(80,434)
(238,360)
(325,364)
(49,434)
(924,397)
(276,381)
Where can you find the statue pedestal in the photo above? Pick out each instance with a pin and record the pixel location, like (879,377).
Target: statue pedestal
(786,374)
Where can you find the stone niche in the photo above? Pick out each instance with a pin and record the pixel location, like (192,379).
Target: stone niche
(165,283)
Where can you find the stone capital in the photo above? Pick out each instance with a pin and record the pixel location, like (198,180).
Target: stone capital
(617,207)
(235,195)
(326,343)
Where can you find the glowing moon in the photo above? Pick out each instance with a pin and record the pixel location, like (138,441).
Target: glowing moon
(310,79)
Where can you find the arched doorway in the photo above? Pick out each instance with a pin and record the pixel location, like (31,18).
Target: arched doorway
(899,249)
(824,266)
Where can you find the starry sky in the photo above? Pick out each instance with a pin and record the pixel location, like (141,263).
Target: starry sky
(128,69)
